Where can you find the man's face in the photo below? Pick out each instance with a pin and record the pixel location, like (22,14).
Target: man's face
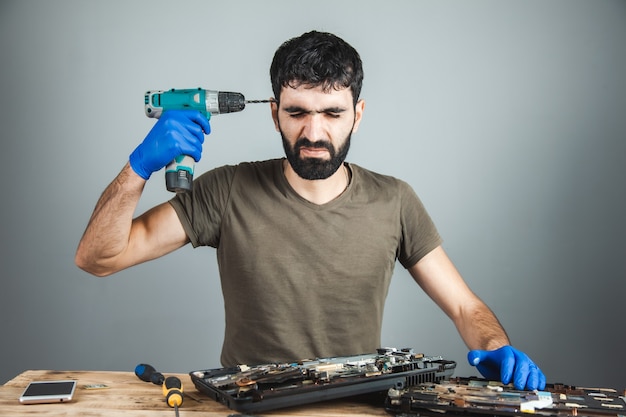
(316,127)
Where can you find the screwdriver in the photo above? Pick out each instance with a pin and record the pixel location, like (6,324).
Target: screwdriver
(172,386)
(147,373)
(173,392)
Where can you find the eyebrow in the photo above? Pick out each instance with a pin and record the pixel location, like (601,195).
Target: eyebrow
(298,109)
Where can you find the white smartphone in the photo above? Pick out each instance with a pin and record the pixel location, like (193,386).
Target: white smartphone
(44,392)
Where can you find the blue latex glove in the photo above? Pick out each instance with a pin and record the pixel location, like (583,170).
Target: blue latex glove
(506,364)
(177,132)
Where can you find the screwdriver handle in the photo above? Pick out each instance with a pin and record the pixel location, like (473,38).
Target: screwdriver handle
(173,391)
(147,373)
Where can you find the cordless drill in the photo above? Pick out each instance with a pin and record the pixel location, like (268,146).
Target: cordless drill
(179,173)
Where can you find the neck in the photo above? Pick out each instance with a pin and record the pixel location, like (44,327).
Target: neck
(318,191)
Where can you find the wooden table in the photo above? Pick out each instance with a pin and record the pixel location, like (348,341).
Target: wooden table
(126,396)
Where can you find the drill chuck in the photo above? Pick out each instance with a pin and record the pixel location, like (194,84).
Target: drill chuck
(230,102)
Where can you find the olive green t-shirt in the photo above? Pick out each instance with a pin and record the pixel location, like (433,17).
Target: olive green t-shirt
(302,280)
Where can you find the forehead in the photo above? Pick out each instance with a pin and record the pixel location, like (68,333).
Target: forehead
(315,98)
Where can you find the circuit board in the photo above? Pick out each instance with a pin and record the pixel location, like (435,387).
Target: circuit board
(479,397)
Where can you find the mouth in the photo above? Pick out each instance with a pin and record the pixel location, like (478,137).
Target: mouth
(308,152)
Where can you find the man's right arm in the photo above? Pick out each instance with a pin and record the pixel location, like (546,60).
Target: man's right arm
(113,239)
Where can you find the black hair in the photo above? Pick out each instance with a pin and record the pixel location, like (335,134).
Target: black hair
(317,59)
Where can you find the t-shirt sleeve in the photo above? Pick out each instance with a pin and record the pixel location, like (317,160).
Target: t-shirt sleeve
(419,234)
(200,211)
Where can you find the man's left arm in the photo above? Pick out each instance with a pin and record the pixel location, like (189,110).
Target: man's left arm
(490,349)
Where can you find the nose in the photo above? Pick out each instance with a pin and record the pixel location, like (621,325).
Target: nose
(314,128)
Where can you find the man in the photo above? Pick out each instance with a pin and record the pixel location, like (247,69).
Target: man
(306,244)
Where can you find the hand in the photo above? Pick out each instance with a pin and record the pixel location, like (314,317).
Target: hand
(178,132)
(508,363)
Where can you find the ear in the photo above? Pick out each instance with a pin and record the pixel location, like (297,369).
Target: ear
(274,109)
(358,114)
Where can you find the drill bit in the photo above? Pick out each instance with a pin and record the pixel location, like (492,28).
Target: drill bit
(258,101)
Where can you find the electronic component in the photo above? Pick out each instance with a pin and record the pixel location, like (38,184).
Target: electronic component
(278,385)
(476,397)
(42,392)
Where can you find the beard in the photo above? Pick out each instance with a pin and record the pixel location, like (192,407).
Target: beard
(315,168)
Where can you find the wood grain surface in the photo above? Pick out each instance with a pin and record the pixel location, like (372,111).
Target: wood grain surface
(126,395)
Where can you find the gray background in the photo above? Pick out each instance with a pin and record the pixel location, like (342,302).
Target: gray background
(507,117)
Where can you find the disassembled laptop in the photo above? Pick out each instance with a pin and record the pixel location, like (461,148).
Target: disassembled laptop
(278,385)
